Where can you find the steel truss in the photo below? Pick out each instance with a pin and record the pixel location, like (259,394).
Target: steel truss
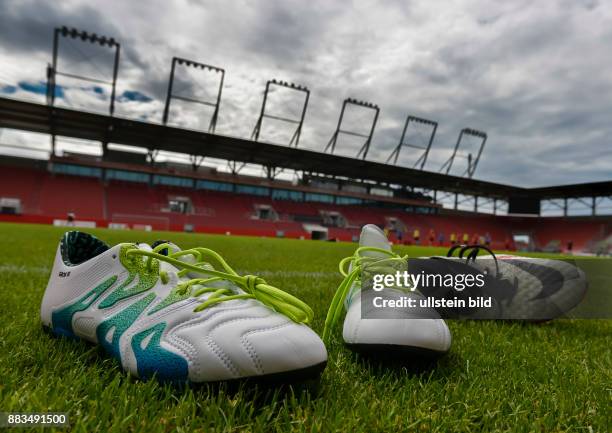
(472,163)
(363,152)
(295,138)
(215,103)
(53,72)
(589,202)
(270,171)
(423,157)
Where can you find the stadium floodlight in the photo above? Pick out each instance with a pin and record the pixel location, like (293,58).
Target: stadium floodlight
(363,152)
(423,157)
(472,163)
(215,103)
(53,72)
(93,38)
(295,138)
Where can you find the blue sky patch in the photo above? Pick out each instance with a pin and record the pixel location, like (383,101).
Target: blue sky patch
(40,88)
(134,95)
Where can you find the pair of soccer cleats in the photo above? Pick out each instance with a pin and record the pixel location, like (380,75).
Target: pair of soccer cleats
(187,316)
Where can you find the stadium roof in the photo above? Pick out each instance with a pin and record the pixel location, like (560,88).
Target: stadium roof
(35,117)
(591,189)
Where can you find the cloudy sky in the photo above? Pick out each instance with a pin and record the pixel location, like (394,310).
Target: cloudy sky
(534,75)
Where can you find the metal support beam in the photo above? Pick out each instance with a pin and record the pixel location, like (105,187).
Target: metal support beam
(271,172)
(465,199)
(583,201)
(152,154)
(235,167)
(196,161)
(422,159)
(115,73)
(295,138)
(540,208)
(363,152)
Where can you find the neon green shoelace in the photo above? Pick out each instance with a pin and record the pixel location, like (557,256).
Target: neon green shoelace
(352,276)
(254,286)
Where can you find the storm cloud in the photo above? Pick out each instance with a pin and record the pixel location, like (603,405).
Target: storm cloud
(533,75)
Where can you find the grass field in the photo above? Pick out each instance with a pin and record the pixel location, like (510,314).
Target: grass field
(498,376)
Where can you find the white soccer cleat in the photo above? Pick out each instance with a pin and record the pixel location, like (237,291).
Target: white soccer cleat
(411,331)
(162,316)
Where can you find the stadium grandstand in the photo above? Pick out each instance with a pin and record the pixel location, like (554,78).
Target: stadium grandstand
(328,196)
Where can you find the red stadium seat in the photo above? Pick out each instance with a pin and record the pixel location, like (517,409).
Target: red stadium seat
(53,196)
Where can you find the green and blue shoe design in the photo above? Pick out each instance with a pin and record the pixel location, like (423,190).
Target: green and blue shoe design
(178,315)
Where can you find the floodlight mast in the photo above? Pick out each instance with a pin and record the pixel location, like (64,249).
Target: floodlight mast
(295,138)
(483,136)
(53,72)
(363,152)
(472,162)
(423,157)
(170,95)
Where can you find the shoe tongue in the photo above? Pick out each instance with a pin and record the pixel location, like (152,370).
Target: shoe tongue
(187,258)
(164,266)
(373,236)
(173,247)
(143,246)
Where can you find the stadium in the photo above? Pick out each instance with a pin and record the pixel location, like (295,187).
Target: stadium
(288,213)
(331,196)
